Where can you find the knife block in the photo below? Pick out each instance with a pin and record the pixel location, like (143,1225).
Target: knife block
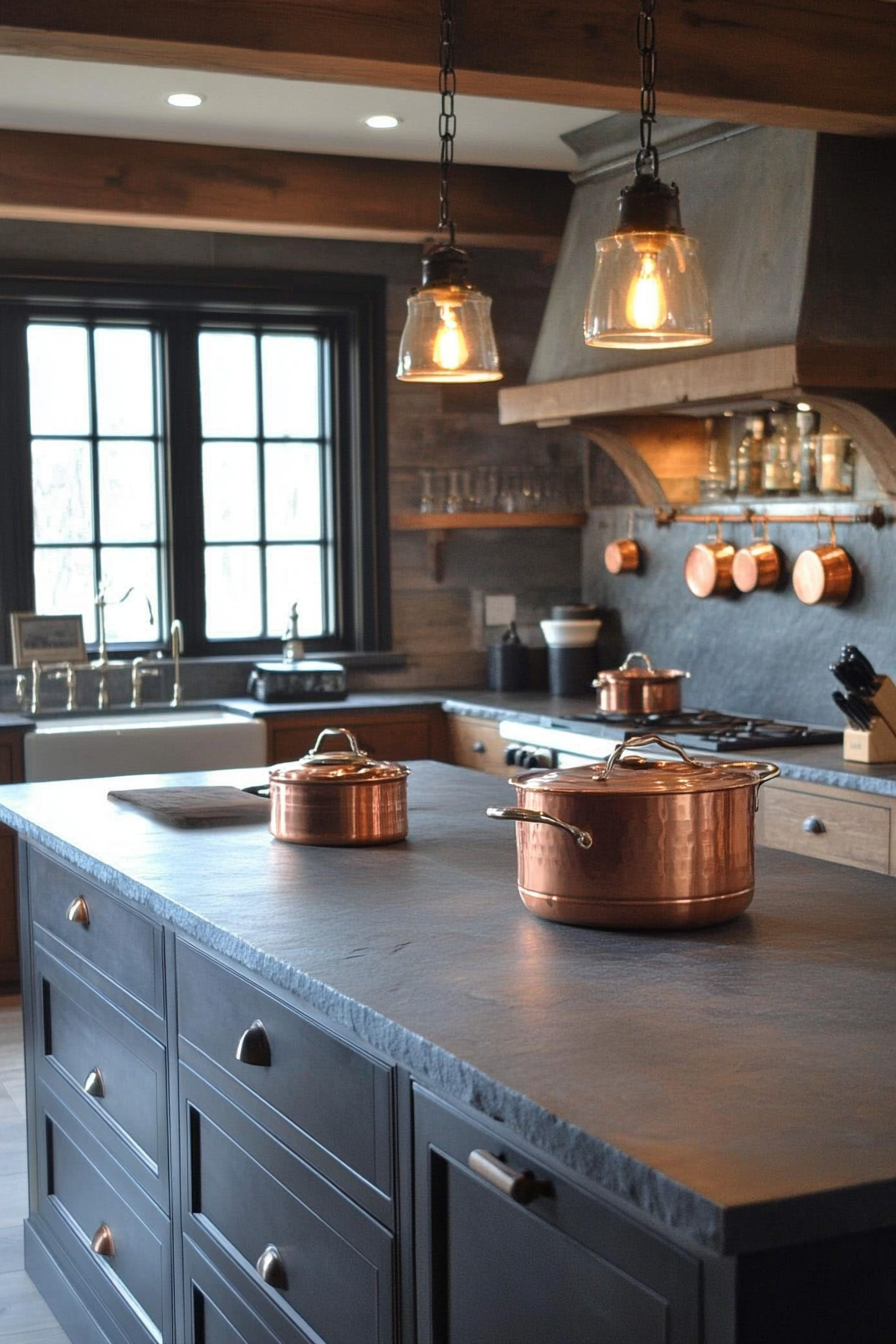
(878,744)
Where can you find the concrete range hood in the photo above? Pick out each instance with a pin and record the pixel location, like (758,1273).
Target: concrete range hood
(798,240)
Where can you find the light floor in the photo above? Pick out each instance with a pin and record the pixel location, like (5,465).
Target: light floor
(24,1316)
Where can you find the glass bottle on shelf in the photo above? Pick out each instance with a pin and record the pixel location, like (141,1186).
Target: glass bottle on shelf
(777,458)
(427,492)
(749,457)
(835,463)
(807,428)
(714,476)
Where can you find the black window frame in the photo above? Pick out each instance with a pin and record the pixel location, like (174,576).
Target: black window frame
(351,309)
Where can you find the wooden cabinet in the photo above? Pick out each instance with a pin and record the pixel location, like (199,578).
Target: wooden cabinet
(841,825)
(413,732)
(477,744)
(12,770)
(513,1251)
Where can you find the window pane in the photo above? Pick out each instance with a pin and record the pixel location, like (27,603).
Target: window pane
(131,619)
(124,383)
(233,592)
(290,386)
(294,575)
(227,380)
(292,487)
(61,491)
(128,509)
(57,377)
(63,585)
(230,492)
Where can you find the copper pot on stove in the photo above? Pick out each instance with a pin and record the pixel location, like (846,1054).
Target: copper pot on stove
(636,842)
(339,797)
(639,690)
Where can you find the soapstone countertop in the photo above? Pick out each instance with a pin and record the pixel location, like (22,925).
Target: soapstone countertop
(735,1084)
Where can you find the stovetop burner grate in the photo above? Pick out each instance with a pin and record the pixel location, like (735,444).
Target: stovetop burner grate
(713,730)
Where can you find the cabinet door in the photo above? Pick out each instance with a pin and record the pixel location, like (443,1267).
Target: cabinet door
(392,736)
(565,1268)
(11,770)
(478,744)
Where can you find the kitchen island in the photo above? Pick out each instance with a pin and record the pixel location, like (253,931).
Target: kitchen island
(712,1114)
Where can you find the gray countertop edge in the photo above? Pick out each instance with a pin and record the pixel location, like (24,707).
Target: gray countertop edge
(634,1186)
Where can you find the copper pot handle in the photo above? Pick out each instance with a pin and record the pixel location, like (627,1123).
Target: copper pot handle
(582,838)
(764,769)
(337,732)
(636,653)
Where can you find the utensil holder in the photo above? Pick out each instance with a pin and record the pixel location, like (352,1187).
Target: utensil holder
(878,744)
(884,701)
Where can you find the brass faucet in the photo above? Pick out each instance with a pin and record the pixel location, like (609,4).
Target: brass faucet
(55,672)
(177,648)
(140,668)
(102,663)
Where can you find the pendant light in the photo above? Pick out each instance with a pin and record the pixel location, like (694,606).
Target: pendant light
(648,290)
(448,335)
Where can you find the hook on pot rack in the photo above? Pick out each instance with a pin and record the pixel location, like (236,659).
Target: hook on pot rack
(877,517)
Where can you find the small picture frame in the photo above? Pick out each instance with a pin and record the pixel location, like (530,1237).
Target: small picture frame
(46,639)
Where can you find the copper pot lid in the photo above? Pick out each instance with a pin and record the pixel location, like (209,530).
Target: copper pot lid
(647,673)
(643,775)
(337,767)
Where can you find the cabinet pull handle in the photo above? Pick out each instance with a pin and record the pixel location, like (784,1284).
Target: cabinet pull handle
(254,1046)
(272,1269)
(521,1186)
(94,1085)
(814,826)
(77,912)
(478,747)
(101,1242)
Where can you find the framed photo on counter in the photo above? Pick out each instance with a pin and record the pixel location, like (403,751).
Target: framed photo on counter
(46,639)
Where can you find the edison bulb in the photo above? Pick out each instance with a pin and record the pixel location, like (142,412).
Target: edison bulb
(646,307)
(450,348)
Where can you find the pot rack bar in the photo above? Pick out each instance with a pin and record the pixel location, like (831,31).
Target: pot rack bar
(877,517)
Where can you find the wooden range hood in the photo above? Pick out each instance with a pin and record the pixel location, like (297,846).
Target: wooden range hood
(796,231)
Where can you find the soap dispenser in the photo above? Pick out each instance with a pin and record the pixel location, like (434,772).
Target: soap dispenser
(293,648)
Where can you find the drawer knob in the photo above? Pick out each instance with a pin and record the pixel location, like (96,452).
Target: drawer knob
(94,1085)
(521,1186)
(254,1046)
(78,912)
(814,826)
(101,1242)
(478,747)
(272,1269)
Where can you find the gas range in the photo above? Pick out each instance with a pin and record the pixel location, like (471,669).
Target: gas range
(711,730)
(556,743)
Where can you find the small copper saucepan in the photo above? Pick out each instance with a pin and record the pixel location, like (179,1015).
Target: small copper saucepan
(759,565)
(639,690)
(624,555)
(707,566)
(824,573)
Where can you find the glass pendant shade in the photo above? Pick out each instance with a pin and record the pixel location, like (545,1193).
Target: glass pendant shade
(648,290)
(448,336)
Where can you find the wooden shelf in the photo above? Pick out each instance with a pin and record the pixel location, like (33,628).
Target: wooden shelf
(445,522)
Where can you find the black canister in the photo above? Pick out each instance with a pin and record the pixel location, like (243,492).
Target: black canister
(508,663)
(571,669)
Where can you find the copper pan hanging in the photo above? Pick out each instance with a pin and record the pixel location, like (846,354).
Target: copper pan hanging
(707,566)
(823,574)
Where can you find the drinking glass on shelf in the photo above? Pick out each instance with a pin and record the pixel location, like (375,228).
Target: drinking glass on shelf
(454,500)
(427,492)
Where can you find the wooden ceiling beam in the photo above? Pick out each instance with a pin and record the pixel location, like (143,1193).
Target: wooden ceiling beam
(819,64)
(96,179)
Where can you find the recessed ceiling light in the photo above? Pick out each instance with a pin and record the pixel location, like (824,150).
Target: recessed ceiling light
(185,99)
(382,122)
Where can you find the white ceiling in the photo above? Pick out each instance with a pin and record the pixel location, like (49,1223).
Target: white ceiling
(92,98)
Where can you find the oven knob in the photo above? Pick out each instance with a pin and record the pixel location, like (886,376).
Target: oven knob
(511,754)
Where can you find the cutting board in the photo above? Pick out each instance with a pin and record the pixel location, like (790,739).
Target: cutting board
(201,805)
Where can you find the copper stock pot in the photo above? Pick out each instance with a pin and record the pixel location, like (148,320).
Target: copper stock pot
(636,842)
(639,690)
(339,797)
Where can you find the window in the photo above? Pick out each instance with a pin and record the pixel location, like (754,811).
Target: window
(209,451)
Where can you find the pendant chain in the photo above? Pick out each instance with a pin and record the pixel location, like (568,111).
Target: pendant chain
(447,119)
(648,159)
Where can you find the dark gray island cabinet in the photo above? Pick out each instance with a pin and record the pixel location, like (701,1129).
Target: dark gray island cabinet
(364,1097)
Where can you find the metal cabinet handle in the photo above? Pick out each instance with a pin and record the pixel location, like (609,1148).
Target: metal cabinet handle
(478,747)
(254,1046)
(94,1085)
(272,1269)
(101,1242)
(521,1186)
(814,826)
(78,912)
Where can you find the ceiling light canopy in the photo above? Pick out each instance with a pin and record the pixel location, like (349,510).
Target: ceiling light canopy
(448,336)
(185,99)
(648,290)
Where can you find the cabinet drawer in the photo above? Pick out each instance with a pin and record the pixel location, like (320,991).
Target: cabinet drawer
(217,1315)
(565,1267)
(396,738)
(81,1192)
(822,827)
(121,948)
(335,1100)
(247,1195)
(117,1071)
(478,744)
